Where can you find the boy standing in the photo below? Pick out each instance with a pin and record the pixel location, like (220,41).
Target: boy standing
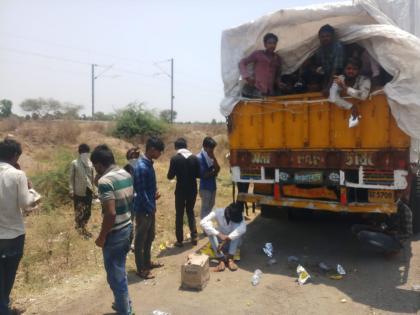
(14,198)
(185,166)
(266,64)
(145,207)
(209,168)
(115,188)
(81,189)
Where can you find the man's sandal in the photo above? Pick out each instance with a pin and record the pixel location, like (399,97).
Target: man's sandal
(145,274)
(220,267)
(231,265)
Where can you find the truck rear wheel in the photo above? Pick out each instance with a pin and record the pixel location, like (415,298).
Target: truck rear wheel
(296,214)
(415,203)
(270,211)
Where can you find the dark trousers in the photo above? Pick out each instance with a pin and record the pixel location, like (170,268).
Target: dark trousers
(82,209)
(185,202)
(11,252)
(145,234)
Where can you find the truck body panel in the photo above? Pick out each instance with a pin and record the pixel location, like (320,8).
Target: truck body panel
(299,152)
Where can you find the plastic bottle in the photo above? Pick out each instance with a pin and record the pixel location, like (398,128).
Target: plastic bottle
(157,312)
(256,277)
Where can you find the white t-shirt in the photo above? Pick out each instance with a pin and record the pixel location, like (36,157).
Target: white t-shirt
(14,197)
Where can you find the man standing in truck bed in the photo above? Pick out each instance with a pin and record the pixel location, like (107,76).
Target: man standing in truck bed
(266,70)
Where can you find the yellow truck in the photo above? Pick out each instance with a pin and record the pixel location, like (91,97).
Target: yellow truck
(297,153)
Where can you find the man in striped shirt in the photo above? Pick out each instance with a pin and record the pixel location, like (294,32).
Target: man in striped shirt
(115,187)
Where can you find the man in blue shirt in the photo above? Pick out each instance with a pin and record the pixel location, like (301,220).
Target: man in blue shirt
(209,168)
(145,207)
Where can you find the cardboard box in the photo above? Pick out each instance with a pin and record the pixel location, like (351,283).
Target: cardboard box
(195,272)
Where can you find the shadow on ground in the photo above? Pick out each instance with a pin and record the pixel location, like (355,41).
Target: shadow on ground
(371,279)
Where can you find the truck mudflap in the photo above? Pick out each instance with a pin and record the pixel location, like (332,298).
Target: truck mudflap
(333,206)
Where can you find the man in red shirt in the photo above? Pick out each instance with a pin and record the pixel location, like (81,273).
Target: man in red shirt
(265,77)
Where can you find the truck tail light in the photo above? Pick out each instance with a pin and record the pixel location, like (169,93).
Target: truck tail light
(343,196)
(277,191)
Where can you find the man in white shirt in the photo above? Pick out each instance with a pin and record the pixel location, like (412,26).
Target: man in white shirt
(227,235)
(82,189)
(15,197)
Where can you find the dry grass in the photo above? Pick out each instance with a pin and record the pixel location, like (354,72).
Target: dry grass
(51,133)
(9,125)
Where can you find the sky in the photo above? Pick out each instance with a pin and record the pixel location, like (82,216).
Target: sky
(47,48)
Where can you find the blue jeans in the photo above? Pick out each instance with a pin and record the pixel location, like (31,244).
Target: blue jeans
(117,246)
(232,246)
(11,251)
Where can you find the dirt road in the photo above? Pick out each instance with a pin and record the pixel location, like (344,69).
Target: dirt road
(373,285)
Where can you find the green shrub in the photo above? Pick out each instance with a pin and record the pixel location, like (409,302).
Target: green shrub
(135,120)
(54,185)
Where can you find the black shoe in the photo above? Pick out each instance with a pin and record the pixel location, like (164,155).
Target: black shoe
(179,244)
(194,242)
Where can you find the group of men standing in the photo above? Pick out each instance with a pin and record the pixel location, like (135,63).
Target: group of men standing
(131,193)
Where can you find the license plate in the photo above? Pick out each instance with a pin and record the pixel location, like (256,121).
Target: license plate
(308,178)
(381,196)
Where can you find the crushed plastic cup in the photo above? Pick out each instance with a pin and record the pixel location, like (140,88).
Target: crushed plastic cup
(303,275)
(353,121)
(268,249)
(256,277)
(157,312)
(340,270)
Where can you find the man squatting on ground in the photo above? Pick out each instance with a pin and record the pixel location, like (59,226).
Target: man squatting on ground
(145,207)
(186,168)
(209,168)
(115,187)
(230,228)
(82,189)
(15,197)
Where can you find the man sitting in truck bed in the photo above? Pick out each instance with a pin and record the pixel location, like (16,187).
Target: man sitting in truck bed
(352,84)
(265,78)
(328,60)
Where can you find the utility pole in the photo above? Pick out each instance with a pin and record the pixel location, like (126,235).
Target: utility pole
(93,91)
(172,90)
(93,84)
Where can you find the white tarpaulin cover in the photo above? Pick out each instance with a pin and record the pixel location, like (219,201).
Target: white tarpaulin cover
(374,24)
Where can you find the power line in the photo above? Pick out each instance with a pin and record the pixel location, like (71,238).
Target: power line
(87,51)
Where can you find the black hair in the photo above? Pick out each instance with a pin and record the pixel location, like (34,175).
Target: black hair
(9,149)
(209,142)
(327,28)
(155,143)
(354,62)
(131,151)
(180,143)
(233,212)
(84,148)
(103,155)
(269,36)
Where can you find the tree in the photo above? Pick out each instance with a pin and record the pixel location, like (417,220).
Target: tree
(101,116)
(213,122)
(50,108)
(165,115)
(5,108)
(135,120)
